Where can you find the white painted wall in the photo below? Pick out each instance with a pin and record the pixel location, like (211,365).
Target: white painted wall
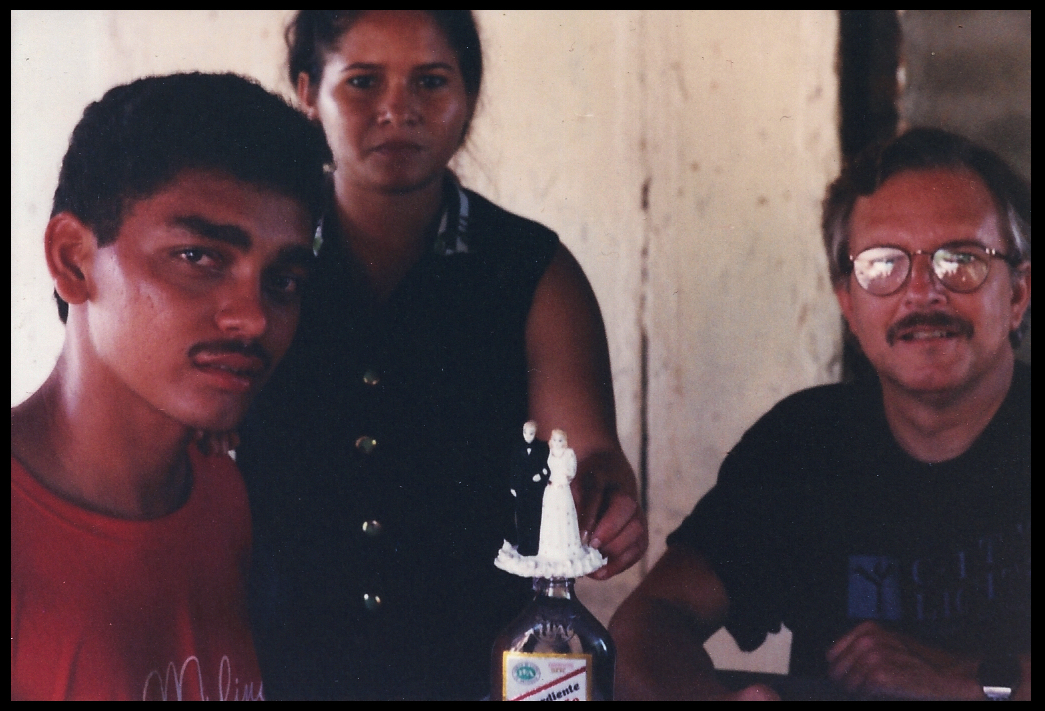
(680,155)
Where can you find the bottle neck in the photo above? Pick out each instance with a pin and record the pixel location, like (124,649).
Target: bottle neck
(561,588)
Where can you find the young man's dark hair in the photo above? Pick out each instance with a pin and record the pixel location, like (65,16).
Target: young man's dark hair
(139,136)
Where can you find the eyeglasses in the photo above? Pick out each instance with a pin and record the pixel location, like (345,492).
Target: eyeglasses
(963,268)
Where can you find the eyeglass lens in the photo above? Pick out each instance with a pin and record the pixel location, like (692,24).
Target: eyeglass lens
(883,270)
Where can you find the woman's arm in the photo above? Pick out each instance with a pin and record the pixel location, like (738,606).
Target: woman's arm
(571,388)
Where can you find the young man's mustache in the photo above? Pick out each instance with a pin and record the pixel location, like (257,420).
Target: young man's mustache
(251,349)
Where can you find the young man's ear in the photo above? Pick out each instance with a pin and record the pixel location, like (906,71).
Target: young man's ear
(306,92)
(70,246)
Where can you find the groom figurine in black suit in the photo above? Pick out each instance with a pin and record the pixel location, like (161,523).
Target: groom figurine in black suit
(529,476)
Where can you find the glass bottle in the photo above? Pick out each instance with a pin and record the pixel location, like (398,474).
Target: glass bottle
(554,651)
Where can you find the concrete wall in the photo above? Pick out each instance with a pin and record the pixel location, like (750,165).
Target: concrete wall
(680,155)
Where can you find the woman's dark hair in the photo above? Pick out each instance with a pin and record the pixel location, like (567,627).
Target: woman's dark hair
(312,34)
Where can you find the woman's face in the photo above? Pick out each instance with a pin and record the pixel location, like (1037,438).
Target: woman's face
(392,102)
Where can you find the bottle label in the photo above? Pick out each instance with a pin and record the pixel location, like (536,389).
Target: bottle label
(546,677)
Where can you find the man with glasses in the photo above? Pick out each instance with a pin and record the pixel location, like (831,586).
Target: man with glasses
(885,522)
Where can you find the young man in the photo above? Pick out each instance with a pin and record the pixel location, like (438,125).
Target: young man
(886,523)
(180,236)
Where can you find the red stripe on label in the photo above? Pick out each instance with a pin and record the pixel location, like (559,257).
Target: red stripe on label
(551,683)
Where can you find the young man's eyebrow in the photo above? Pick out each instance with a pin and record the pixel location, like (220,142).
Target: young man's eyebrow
(229,234)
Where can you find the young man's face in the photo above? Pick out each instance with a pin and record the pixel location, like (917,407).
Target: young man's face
(198,297)
(926,338)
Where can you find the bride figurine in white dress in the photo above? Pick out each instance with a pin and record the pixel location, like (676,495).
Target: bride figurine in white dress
(560,534)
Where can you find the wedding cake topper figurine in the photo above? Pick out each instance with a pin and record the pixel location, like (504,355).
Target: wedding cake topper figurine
(559,552)
(529,477)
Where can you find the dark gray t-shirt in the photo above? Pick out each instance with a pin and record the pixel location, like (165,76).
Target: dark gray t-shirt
(819,520)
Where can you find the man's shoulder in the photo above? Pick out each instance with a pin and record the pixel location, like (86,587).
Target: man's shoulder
(1020,389)
(808,432)
(827,393)
(1017,403)
(826,425)
(822,406)
(1010,429)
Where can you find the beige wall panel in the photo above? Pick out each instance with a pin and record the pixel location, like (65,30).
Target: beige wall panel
(741,140)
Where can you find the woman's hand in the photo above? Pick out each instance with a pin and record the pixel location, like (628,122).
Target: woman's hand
(571,389)
(609,513)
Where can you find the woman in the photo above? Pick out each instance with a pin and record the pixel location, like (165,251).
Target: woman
(377,459)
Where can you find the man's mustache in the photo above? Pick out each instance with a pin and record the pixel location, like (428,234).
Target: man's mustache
(251,349)
(932,319)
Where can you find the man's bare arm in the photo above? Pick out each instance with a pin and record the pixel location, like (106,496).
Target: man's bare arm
(661,628)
